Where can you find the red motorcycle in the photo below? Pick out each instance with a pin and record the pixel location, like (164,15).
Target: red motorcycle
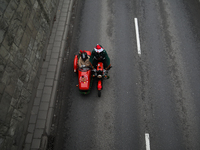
(86,76)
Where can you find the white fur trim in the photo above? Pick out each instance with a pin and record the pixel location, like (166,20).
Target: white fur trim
(98,50)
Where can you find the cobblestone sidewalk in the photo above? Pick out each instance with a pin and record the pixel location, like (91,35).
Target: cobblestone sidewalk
(43,108)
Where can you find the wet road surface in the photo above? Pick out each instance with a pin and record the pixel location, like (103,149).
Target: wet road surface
(155,92)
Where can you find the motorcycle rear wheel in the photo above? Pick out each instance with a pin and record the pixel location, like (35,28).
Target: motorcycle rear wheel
(99,93)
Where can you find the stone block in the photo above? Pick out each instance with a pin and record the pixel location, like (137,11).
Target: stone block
(46,97)
(40,124)
(8,40)
(23,76)
(56,49)
(30,21)
(58,38)
(44,71)
(40,86)
(39,93)
(48,52)
(27,66)
(3,5)
(4,53)
(2,66)
(50,47)
(6,78)
(14,102)
(29,138)
(55,55)
(50,75)
(47,90)
(35,144)
(10,10)
(47,58)
(36,20)
(64,14)
(52,68)
(35,110)
(10,87)
(23,105)
(49,82)
(35,46)
(32,57)
(38,133)
(20,9)
(19,35)
(2,32)
(31,43)
(33,118)
(12,71)
(44,106)
(24,99)
(18,89)
(14,125)
(18,59)
(37,101)
(28,54)
(31,128)
(9,115)
(60,33)
(26,15)
(36,65)
(4,105)
(42,114)
(32,79)
(45,65)
(2,87)
(25,40)
(42,78)
(25,94)
(53,61)
(56,44)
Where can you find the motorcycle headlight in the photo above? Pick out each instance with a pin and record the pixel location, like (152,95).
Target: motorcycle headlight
(99,76)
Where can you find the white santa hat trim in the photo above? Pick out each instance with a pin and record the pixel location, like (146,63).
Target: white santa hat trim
(98,50)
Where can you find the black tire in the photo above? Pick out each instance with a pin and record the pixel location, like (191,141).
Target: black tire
(99,93)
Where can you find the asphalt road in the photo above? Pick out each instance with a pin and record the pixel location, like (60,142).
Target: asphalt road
(155,93)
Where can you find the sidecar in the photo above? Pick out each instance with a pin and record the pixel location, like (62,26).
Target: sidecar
(84,76)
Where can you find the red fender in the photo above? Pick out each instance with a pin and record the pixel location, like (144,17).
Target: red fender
(75,63)
(99,85)
(88,52)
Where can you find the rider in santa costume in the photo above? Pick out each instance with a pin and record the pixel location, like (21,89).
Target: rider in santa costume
(99,54)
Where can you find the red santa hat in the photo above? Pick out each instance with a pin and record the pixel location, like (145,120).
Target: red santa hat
(98,48)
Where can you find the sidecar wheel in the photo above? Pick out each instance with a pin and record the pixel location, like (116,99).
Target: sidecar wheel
(99,93)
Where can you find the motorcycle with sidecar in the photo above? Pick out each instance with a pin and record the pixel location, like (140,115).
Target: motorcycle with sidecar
(86,76)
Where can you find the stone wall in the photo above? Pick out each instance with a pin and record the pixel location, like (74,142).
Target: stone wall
(25,26)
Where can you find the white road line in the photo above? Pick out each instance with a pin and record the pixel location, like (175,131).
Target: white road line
(147,141)
(137,36)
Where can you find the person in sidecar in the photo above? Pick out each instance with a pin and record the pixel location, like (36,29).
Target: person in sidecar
(83,60)
(99,54)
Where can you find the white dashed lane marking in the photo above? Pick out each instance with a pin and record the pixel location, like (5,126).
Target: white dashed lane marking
(147,139)
(137,36)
